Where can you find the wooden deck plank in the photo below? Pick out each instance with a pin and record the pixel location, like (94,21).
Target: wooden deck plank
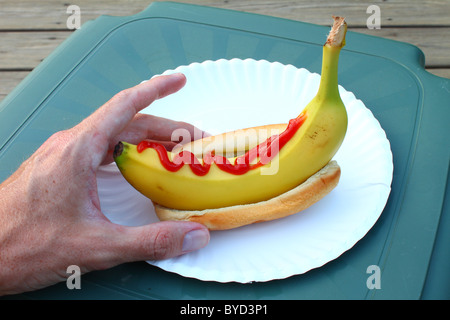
(440,72)
(51,14)
(9,80)
(25,50)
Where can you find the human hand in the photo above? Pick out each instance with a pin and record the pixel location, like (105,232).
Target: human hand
(50,215)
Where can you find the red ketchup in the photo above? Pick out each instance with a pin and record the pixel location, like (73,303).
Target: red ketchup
(242,164)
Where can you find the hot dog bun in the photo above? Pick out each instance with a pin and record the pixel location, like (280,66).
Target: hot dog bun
(233,143)
(288,203)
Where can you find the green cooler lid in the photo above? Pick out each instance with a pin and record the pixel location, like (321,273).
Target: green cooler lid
(409,242)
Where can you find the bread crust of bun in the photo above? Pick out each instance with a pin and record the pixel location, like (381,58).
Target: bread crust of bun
(288,203)
(238,141)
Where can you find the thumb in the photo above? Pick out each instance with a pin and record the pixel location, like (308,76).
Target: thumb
(163,240)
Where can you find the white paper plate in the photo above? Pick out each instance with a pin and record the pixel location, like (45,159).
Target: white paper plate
(226,95)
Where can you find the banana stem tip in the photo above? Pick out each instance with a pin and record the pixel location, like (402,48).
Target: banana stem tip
(336,37)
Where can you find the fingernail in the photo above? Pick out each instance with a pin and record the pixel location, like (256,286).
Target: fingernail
(178,74)
(195,239)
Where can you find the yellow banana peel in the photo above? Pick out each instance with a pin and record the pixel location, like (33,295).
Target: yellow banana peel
(317,134)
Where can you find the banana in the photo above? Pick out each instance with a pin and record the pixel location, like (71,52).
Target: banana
(278,164)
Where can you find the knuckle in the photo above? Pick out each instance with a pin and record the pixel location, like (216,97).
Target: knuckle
(126,95)
(57,137)
(128,99)
(53,145)
(162,245)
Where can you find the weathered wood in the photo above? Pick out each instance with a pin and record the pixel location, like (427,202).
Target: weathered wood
(441,72)
(25,50)
(51,14)
(9,80)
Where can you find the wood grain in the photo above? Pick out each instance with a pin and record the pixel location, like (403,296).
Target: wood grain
(51,14)
(9,80)
(25,50)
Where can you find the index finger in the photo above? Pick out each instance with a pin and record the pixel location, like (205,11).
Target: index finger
(117,113)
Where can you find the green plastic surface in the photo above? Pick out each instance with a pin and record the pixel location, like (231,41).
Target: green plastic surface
(409,242)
